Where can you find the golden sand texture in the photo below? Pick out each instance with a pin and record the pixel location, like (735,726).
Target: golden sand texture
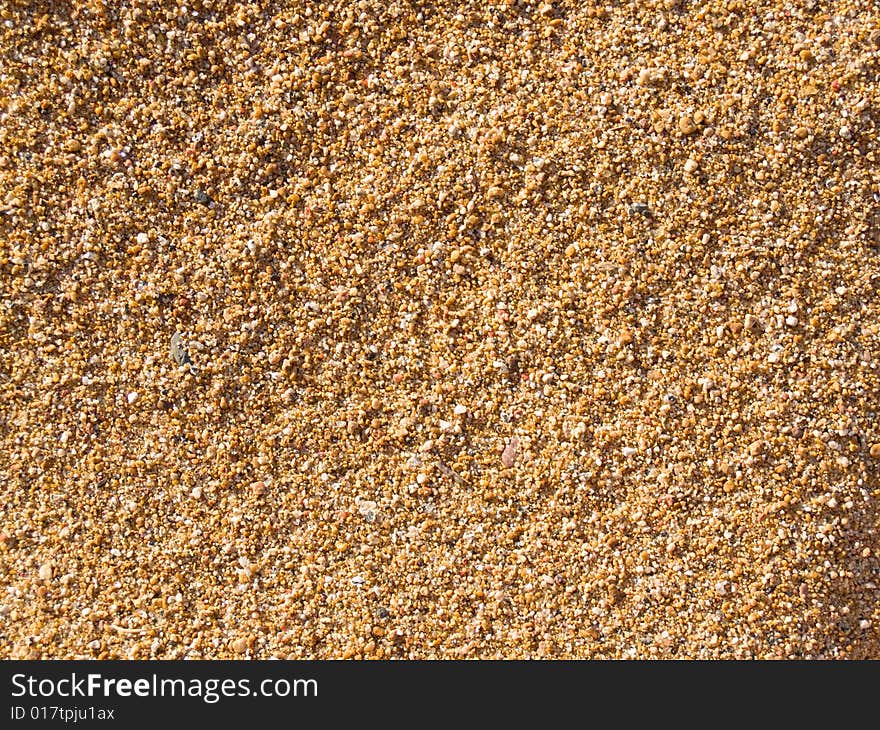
(386,329)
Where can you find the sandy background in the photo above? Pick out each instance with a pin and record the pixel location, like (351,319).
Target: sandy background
(502,330)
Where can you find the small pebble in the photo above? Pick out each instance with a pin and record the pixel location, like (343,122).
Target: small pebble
(178,351)
(686,125)
(202,197)
(511,450)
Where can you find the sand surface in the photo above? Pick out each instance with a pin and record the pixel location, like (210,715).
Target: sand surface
(384,329)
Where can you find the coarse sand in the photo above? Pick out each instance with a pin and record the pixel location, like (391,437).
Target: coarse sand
(390,329)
